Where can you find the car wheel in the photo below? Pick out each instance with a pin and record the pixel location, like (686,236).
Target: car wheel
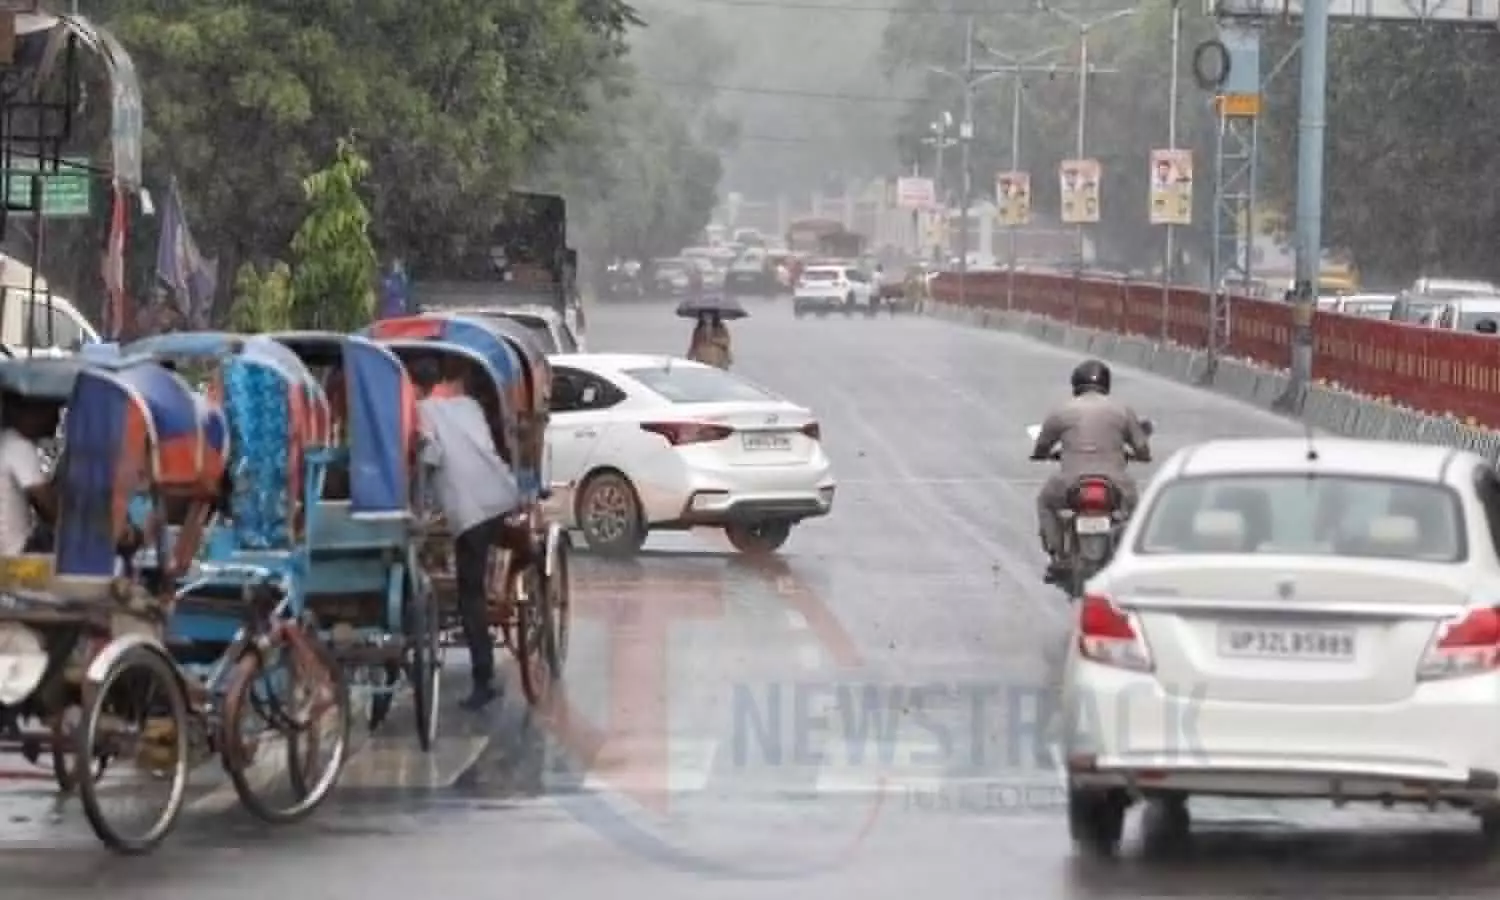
(609,515)
(1489,824)
(1096,819)
(758,538)
(1166,826)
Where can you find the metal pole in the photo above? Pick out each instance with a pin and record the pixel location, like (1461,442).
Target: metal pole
(1170,255)
(1015,166)
(942,190)
(1311,124)
(1083,117)
(965,138)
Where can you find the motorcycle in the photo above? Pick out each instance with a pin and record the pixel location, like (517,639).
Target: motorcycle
(1092,520)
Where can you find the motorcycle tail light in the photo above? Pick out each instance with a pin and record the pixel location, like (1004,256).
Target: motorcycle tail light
(1095,496)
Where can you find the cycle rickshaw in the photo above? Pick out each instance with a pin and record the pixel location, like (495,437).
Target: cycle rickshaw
(95,669)
(350,543)
(530,607)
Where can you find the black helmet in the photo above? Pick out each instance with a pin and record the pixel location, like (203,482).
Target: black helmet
(1091,375)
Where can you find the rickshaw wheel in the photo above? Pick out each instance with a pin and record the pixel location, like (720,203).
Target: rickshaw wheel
(425,666)
(313,685)
(560,598)
(138,677)
(63,760)
(536,648)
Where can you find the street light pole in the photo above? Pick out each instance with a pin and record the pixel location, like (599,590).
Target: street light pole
(966,138)
(1170,255)
(1084,26)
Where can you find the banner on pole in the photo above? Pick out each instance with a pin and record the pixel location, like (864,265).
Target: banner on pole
(1171,187)
(1013,197)
(1079,183)
(916,193)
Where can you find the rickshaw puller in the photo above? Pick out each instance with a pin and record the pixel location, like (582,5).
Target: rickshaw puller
(479,498)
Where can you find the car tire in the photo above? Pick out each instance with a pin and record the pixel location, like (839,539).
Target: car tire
(1166,827)
(758,538)
(609,515)
(1489,824)
(1096,819)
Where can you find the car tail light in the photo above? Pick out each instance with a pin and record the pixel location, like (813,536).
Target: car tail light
(1107,636)
(812,430)
(1095,495)
(1467,646)
(680,433)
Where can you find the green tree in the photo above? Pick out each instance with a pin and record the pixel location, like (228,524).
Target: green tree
(1411,127)
(451,101)
(1127,113)
(333,276)
(262,299)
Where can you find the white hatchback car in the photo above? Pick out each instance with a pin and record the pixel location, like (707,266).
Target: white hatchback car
(1314,618)
(640,443)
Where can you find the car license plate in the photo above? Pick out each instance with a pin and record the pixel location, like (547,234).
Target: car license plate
(1313,644)
(1092,524)
(21,573)
(766,442)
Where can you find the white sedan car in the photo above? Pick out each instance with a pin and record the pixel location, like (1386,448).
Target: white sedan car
(640,443)
(1292,618)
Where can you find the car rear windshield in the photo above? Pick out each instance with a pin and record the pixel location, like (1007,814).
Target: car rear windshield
(695,384)
(1301,515)
(820,275)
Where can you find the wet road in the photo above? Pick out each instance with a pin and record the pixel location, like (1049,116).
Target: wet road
(856,719)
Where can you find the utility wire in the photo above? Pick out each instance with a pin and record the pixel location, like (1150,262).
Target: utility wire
(897,10)
(785,92)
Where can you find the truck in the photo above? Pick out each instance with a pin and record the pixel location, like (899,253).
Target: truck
(824,238)
(527,263)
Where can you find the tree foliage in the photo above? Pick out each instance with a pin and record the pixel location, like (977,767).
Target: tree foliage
(262,299)
(1410,134)
(449,99)
(1127,113)
(643,168)
(333,277)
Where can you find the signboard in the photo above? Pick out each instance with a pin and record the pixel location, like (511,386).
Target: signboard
(1245,106)
(65,193)
(1171,187)
(1013,197)
(1078,182)
(916,193)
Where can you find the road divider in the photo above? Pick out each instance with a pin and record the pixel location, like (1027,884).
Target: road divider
(1440,373)
(1325,406)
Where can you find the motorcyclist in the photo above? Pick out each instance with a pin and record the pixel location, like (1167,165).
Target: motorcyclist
(1094,434)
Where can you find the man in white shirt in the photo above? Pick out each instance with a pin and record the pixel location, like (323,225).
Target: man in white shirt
(477,492)
(24,488)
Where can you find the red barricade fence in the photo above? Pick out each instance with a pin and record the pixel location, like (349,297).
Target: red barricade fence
(1434,371)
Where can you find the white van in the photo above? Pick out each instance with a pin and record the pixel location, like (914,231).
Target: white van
(49,324)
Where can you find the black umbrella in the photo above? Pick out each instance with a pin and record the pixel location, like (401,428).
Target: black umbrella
(727,307)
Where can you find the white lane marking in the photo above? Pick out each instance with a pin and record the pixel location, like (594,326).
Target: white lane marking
(796,620)
(809,657)
(399,762)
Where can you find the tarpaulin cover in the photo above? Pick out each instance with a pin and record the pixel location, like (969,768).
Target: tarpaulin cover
(191,440)
(468,333)
(312,414)
(382,419)
(105,436)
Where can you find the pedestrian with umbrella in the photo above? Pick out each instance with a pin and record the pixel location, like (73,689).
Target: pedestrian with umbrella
(710,343)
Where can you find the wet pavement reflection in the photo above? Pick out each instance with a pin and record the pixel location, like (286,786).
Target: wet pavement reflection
(857,717)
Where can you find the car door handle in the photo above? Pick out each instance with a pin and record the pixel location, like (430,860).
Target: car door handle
(584,433)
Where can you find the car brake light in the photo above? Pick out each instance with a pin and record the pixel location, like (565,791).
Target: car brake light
(812,430)
(680,433)
(1107,636)
(1467,646)
(1095,496)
